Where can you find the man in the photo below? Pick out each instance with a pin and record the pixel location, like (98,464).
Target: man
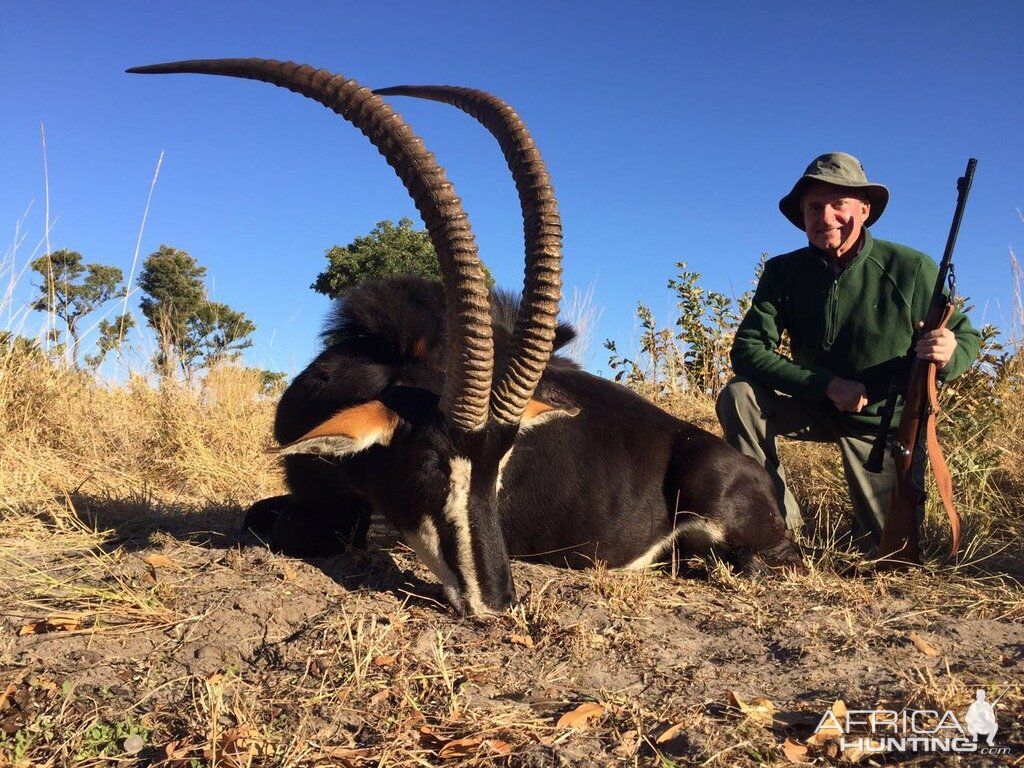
(851,305)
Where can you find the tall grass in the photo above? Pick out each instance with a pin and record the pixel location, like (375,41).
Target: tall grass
(64,432)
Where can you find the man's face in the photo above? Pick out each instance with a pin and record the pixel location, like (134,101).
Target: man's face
(833,217)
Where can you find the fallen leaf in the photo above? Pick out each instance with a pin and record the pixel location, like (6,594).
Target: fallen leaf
(580,715)
(923,645)
(831,729)
(380,697)
(794,751)
(175,751)
(383,661)
(159,561)
(12,687)
(497,746)
(759,710)
(524,640)
(428,739)
(55,623)
(670,733)
(460,748)
(856,754)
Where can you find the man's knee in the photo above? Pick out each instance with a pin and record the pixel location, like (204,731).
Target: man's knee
(736,401)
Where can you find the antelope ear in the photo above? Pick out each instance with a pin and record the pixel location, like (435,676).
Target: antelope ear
(348,431)
(539,412)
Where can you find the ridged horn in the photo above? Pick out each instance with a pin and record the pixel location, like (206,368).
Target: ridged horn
(534,334)
(466,393)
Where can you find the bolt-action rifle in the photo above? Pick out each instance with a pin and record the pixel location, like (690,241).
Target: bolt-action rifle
(915,441)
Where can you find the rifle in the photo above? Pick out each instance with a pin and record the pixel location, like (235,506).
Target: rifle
(915,440)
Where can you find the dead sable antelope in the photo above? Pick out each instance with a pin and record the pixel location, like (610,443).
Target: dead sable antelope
(398,415)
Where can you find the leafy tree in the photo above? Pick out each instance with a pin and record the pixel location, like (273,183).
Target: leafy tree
(70,290)
(389,249)
(191,330)
(272,382)
(173,285)
(217,333)
(111,334)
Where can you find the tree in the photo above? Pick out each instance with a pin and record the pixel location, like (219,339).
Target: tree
(191,330)
(111,334)
(388,250)
(70,290)
(218,333)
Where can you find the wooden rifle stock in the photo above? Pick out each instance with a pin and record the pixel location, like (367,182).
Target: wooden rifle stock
(915,437)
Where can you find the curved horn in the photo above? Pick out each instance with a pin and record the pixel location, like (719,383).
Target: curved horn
(466,393)
(534,334)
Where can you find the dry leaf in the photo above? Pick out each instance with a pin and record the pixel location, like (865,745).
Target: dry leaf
(497,747)
(670,733)
(524,640)
(923,645)
(175,751)
(856,754)
(761,711)
(580,715)
(794,751)
(159,561)
(383,661)
(380,697)
(460,748)
(832,729)
(55,623)
(428,739)
(11,689)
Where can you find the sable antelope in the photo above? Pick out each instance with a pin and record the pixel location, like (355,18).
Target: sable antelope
(398,416)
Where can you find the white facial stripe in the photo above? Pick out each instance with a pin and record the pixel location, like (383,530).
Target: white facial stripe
(427,544)
(700,532)
(456,513)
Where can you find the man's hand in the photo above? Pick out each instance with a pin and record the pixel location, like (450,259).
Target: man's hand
(848,396)
(936,346)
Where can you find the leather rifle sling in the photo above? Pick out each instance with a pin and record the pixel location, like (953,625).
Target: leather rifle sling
(942,479)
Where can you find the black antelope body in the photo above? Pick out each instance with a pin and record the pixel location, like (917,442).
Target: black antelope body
(398,415)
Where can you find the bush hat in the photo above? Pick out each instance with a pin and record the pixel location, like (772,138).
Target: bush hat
(840,170)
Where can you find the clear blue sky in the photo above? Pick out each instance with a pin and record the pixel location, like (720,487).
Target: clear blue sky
(670,129)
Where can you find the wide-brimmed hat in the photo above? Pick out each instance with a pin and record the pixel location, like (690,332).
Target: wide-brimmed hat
(841,170)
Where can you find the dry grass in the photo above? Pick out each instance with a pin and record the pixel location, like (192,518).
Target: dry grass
(154,634)
(118,551)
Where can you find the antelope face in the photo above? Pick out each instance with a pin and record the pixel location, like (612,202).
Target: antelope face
(458,533)
(437,483)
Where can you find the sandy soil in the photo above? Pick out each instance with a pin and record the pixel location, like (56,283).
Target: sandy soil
(194,645)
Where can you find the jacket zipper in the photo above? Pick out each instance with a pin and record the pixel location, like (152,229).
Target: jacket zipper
(830,318)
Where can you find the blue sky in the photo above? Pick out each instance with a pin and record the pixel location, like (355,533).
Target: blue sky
(670,129)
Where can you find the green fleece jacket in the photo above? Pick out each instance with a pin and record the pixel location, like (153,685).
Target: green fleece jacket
(858,324)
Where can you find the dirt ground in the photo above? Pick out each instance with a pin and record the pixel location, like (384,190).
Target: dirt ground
(169,638)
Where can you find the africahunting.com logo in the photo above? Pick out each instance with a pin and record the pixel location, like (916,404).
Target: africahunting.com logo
(868,731)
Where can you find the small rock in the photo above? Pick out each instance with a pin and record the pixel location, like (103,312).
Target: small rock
(134,744)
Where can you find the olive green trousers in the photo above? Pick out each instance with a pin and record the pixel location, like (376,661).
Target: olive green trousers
(754,416)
